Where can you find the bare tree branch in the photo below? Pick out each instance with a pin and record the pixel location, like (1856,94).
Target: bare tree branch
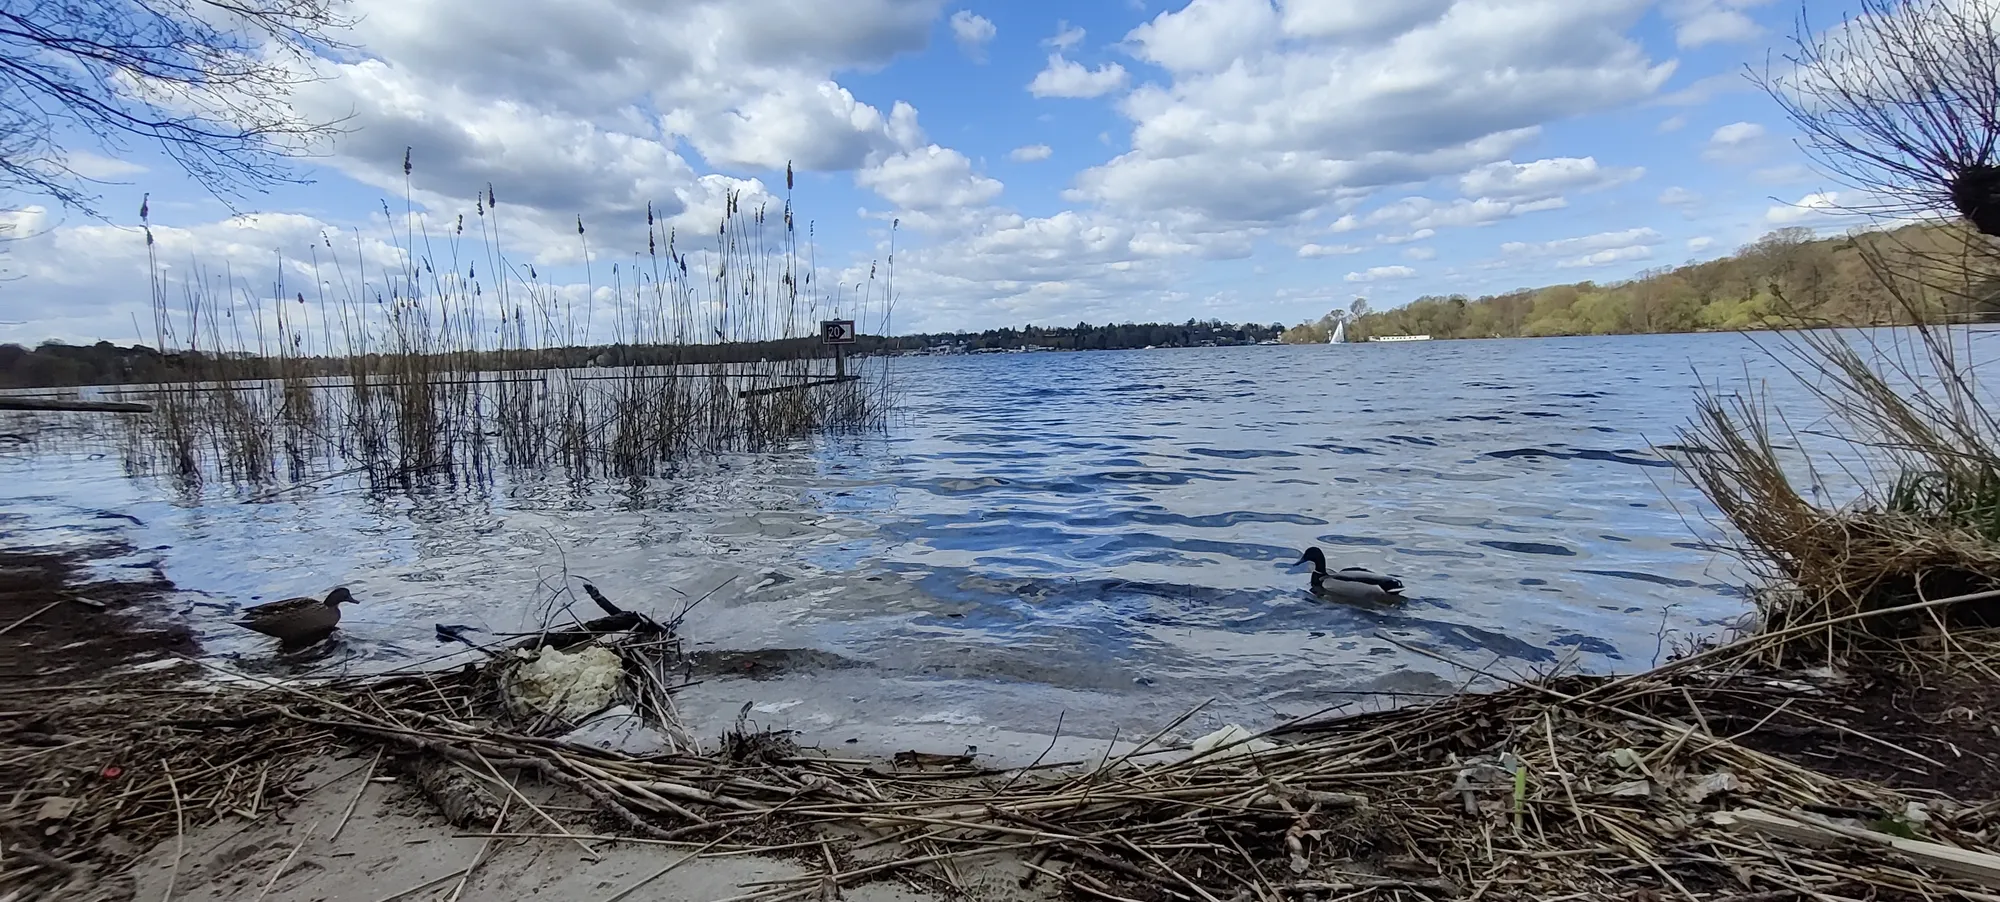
(1903,102)
(207,81)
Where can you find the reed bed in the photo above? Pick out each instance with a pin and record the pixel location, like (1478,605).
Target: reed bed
(1914,435)
(1561,788)
(458,361)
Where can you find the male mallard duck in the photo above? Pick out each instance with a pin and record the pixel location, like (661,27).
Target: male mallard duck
(297,621)
(1348,583)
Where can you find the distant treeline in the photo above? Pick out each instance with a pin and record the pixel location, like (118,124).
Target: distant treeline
(58,364)
(1786,278)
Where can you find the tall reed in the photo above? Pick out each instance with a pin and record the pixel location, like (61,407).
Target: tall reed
(454,360)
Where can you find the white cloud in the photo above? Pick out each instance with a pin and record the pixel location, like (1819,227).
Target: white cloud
(1625,254)
(100,168)
(930,180)
(972,32)
(1737,134)
(1273,118)
(1029,153)
(1703,90)
(1329,250)
(1382,273)
(1603,242)
(78,279)
(1352,20)
(1672,124)
(547,101)
(1425,213)
(1206,35)
(1068,78)
(1417,235)
(1066,36)
(1737,141)
(1678,196)
(1069,266)
(1253,124)
(1701,22)
(1810,207)
(1508,180)
(1700,243)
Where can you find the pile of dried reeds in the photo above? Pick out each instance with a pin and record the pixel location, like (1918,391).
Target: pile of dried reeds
(1905,419)
(1578,788)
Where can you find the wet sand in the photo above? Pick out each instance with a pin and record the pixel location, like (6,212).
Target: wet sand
(64,624)
(393,847)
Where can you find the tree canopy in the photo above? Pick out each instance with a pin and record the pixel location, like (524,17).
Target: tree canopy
(1785,279)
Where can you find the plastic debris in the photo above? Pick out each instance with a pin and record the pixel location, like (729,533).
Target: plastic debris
(570,685)
(1718,782)
(1233,737)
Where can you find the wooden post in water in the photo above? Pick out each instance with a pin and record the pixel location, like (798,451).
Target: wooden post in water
(840,334)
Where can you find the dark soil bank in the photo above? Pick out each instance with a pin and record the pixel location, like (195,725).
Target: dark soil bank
(1941,735)
(61,626)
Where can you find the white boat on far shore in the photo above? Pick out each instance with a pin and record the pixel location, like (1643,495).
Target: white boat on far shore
(1400,338)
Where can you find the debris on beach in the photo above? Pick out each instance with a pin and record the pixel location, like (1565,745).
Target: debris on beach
(1716,776)
(571,685)
(1568,785)
(1233,740)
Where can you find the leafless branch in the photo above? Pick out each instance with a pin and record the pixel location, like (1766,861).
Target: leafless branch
(1902,102)
(207,81)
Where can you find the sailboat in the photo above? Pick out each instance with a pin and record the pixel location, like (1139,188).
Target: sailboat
(1339,335)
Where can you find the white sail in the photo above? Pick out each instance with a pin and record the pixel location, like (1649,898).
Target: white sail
(1339,335)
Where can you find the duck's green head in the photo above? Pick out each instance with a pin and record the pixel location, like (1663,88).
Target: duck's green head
(1314,556)
(340,596)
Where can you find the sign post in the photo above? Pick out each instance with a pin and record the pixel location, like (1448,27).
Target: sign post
(839,333)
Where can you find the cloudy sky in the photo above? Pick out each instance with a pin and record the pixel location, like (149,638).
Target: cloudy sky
(1253,160)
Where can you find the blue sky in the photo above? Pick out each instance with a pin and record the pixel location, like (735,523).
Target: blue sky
(1252,160)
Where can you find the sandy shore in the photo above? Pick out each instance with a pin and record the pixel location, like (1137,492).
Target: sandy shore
(392,847)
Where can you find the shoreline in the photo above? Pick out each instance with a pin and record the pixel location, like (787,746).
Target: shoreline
(329,799)
(64,625)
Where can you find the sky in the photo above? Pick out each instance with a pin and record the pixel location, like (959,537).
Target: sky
(1043,162)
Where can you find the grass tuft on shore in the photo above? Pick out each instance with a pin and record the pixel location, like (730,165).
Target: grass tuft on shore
(1904,427)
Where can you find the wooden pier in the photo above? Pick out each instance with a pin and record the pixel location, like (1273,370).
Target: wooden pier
(77,405)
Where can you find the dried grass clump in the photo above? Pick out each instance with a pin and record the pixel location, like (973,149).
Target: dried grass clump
(1910,428)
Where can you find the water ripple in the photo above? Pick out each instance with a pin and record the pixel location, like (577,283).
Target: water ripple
(1043,533)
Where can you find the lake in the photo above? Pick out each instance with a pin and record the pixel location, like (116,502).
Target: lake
(1102,537)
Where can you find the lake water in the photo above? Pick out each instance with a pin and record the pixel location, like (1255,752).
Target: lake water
(1100,536)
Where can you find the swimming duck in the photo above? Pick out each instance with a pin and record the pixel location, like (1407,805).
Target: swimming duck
(1349,583)
(297,621)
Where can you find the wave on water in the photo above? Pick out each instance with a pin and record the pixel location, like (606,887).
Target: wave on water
(1039,533)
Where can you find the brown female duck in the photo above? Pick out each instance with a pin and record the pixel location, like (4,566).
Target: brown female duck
(297,621)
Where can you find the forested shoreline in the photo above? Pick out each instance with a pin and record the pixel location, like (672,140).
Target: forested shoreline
(1788,278)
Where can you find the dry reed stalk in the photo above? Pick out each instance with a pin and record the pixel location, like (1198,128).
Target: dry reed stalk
(1908,426)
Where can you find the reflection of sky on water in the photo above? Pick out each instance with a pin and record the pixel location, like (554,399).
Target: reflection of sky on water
(1102,533)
